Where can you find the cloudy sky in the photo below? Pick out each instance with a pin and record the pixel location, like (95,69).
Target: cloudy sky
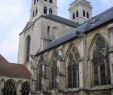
(15,13)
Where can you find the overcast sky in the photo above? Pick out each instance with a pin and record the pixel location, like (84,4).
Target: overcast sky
(15,13)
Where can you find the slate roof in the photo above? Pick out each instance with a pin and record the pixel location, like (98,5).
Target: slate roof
(13,70)
(91,24)
(61,20)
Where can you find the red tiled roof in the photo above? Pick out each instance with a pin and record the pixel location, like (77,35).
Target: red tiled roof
(13,70)
(3,60)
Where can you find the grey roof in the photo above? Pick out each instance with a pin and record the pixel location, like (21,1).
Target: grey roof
(61,20)
(91,24)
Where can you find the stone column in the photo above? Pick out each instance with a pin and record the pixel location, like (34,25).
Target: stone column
(110,32)
(82,65)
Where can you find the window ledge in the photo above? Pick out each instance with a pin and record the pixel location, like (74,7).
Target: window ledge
(101,87)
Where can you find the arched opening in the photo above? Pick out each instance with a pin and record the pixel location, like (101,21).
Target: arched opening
(77,14)
(28,42)
(45,10)
(50,11)
(34,2)
(25,88)
(84,13)
(87,15)
(39,76)
(33,14)
(73,67)
(54,70)
(73,15)
(36,11)
(101,66)
(50,1)
(9,88)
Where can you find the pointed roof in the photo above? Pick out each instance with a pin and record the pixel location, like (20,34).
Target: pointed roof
(13,70)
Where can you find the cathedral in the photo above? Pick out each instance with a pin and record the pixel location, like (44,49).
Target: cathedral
(59,56)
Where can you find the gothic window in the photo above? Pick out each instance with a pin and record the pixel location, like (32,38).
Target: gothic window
(45,10)
(50,1)
(37,0)
(73,68)
(45,0)
(25,88)
(34,2)
(28,41)
(9,88)
(77,14)
(73,15)
(87,15)
(54,70)
(50,11)
(84,13)
(101,67)
(39,77)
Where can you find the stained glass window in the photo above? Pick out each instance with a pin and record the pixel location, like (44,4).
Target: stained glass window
(101,66)
(73,68)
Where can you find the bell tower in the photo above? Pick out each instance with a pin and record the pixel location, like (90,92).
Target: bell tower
(43,7)
(80,11)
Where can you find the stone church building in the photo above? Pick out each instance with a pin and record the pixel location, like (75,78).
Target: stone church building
(64,56)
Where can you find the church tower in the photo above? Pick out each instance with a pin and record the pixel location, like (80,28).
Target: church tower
(41,7)
(80,11)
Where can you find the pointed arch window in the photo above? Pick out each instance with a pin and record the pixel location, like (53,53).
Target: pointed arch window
(9,88)
(45,10)
(73,68)
(28,41)
(50,1)
(39,77)
(25,88)
(50,11)
(101,67)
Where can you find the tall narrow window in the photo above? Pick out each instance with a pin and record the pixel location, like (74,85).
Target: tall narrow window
(87,15)
(28,41)
(84,14)
(25,88)
(77,14)
(50,11)
(48,30)
(50,1)
(73,68)
(54,75)
(73,15)
(33,14)
(45,10)
(101,67)
(34,2)
(36,11)
(39,77)
(54,70)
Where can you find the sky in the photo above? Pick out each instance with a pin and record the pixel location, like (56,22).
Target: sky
(14,14)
